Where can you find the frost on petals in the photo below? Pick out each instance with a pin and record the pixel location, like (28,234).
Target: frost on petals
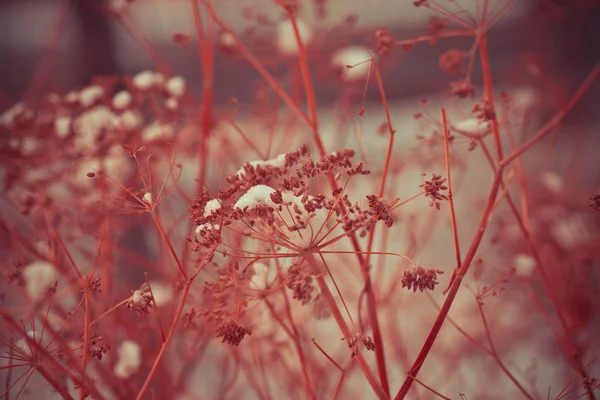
(39,276)
(129,359)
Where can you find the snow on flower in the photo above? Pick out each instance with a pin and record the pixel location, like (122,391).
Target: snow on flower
(38,276)
(256,196)
(277,162)
(175,86)
(472,126)
(162,292)
(524,265)
(156,131)
(62,126)
(286,39)
(211,207)
(90,95)
(146,80)
(121,100)
(90,124)
(355,57)
(129,359)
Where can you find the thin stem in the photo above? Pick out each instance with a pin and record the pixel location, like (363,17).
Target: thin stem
(489,91)
(168,242)
(339,319)
(554,122)
(450,197)
(435,329)
(494,353)
(171,333)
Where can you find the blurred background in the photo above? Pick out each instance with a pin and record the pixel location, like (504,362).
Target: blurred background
(92,42)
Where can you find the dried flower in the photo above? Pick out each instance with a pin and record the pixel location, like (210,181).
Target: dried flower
(141,301)
(433,189)
(367,341)
(97,346)
(451,61)
(231,332)
(420,278)
(595,201)
(462,88)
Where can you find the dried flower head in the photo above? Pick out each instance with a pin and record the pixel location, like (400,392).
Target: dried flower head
(595,201)
(433,189)
(97,346)
(231,332)
(420,278)
(367,341)
(141,300)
